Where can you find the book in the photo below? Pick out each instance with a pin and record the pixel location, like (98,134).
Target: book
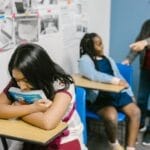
(26,96)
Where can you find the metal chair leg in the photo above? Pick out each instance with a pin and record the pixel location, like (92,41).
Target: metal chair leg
(4,143)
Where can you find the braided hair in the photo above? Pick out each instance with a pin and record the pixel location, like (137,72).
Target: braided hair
(87,45)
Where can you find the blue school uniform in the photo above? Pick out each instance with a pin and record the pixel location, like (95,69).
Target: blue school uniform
(104,99)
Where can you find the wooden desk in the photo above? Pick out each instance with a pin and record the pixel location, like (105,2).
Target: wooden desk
(22,131)
(86,83)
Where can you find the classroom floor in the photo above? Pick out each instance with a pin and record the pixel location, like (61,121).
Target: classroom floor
(98,141)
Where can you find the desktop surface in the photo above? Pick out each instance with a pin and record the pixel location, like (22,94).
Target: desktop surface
(22,131)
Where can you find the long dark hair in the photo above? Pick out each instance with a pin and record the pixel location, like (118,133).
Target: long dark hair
(38,68)
(145,31)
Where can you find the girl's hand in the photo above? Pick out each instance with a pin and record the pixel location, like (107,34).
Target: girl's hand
(139,46)
(123,83)
(126,62)
(42,104)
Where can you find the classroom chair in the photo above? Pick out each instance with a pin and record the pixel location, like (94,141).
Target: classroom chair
(127,73)
(81,108)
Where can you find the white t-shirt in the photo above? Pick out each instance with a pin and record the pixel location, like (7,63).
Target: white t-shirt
(75,126)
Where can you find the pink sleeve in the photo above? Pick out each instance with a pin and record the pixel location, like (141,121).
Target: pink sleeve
(65,91)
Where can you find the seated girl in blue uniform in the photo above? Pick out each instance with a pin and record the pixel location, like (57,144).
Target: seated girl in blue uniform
(96,66)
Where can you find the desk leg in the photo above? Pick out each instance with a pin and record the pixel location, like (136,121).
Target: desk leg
(4,142)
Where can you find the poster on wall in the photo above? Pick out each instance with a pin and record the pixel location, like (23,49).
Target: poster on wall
(39,4)
(75,19)
(49,24)
(5,7)
(6,33)
(81,18)
(31,19)
(52,2)
(67,25)
(81,26)
(26,29)
(34,5)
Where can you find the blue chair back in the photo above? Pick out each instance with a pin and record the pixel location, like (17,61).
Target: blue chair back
(127,72)
(81,109)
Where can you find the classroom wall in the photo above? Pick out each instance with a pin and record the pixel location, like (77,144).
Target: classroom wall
(98,12)
(127,16)
(99,19)
(4,77)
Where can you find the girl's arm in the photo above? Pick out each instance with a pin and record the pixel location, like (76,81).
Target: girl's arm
(140,45)
(135,49)
(53,115)
(87,69)
(130,57)
(7,110)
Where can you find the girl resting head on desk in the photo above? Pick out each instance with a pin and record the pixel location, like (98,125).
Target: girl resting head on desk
(102,68)
(31,68)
